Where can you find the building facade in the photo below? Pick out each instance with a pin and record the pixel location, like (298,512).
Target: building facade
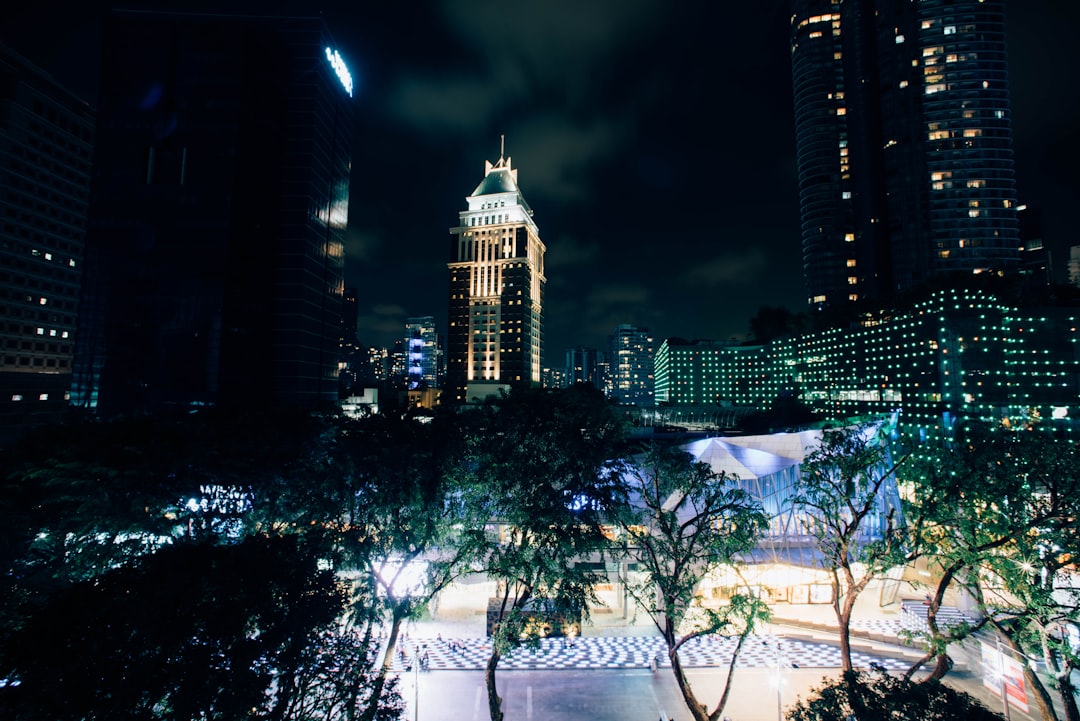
(46,148)
(957,356)
(495,333)
(585,365)
(218,212)
(904,145)
(687,373)
(630,365)
(424,353)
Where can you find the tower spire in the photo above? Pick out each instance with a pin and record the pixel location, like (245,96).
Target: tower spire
(502,146)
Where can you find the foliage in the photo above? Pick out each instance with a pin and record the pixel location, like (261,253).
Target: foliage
(843,502)
(680,520)
(975,506)
(877,696)
(191,631)
(535,479)
(1030,593)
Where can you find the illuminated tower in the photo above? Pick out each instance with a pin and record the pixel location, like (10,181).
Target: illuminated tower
(630,359)
(495,336)
(904,145)
(423,352)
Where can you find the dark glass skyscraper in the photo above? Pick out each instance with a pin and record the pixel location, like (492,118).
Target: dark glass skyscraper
(904,145)
(218,212)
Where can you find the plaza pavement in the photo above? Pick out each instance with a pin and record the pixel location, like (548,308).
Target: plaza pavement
(803,636)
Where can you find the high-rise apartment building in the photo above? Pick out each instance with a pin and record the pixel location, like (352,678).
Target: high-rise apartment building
(496,324)
(218,212)
(630,365)
(904,145)
(585,365)
(46,146)
(423,353)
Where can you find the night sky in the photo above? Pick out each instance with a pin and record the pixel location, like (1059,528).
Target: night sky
(655,142)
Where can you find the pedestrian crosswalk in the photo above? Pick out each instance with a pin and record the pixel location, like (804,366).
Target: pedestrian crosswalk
(627,652)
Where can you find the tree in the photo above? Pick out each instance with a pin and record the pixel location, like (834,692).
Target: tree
(973,502)
(679,521)
(845,501)
(877,696)
(1030,593)
(535,479)
(194,630)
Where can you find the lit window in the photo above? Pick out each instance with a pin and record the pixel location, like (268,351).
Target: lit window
(903,84)
(976,184)
(899,39)
(950,29)
(973,213)
(853,296)
(43,397)
(48,256)
(852,280)
(972,132)
(16,397)
(846,195)
(841,111)
(851,262)
(849,237)
(41,331)
(815,34)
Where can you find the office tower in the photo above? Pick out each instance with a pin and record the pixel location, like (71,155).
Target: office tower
(689,372)
(904,145)
(46,144)
(584,365)
(218,213)
(422,349)
(496,323)
(630,365)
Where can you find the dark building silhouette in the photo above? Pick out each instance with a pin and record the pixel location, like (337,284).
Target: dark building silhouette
(218,211)
(46,146)
(904,145)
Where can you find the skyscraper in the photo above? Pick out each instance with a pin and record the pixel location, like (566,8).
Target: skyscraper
(630,365)
(46,144)
(904,145)
(423,352)
(496,323)
(217,217)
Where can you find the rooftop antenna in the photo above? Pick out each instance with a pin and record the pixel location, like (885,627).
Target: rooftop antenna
(502,145)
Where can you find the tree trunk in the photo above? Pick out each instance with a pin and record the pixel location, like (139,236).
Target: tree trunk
(379,682)
(1042,697)
(844,620)
(1068,692)
(697,710)
(494,701)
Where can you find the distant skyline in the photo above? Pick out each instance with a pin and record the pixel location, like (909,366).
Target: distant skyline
(655,143)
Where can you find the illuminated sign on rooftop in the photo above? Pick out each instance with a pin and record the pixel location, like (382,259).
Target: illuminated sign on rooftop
(340,69)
